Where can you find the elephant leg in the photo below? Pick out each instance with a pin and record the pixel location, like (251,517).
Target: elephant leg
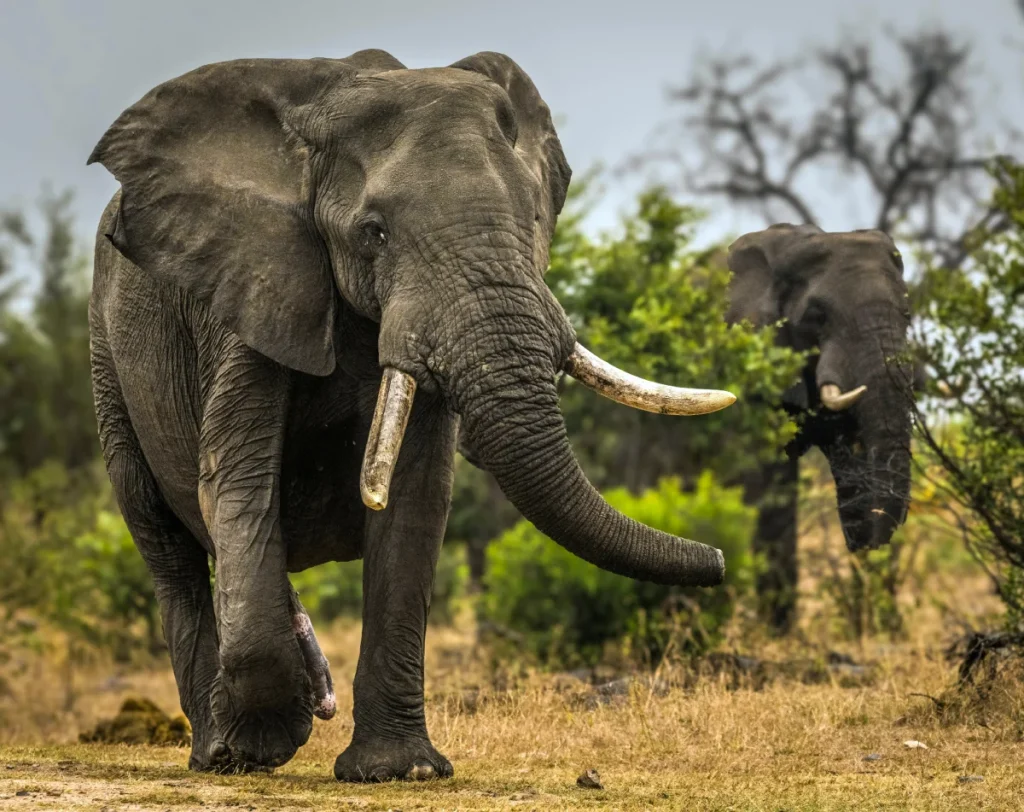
(402,545)
(317,668)
(775,539)
(181,578)
(262,698)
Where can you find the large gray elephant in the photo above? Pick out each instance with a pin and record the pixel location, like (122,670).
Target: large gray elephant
(841,295)
(308,261)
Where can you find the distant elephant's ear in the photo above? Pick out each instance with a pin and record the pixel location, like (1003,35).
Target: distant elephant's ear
(216,197)
(760,263)
(537,140)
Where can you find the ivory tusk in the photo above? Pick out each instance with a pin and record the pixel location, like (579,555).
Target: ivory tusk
(629,390)
(394,404)
(836,400)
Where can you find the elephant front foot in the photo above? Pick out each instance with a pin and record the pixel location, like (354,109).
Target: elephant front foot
(217,759)
(376,760)
(264,714)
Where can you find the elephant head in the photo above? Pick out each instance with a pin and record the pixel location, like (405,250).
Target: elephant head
(280,191)
(842,294)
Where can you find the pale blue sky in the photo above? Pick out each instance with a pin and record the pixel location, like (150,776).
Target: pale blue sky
(69,67)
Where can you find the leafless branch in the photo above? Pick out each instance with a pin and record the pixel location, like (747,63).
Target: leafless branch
(911,138)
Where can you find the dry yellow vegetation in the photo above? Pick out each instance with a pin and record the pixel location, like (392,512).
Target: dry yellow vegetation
(519,739)
(792,734)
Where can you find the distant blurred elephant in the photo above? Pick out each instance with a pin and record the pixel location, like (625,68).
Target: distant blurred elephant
(843,295)
(308,261)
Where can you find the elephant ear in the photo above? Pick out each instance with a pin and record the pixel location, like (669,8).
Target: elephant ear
(537,140)
(764,265)
(216,198)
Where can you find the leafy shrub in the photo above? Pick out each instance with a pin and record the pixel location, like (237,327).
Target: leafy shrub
(332,590)
(569,612)
(971,338)
(335,590)
(72,565)
(112,567)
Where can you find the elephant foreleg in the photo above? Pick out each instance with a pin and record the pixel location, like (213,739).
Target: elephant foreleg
(402,545)
(262,698)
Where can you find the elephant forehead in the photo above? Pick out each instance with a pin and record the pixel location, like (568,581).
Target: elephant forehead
(438,91)
(858,253)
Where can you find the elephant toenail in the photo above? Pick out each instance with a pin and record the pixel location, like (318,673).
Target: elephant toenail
(219,752)
(381,774)
(420,772)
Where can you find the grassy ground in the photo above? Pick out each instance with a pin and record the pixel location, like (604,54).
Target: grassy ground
(521,740)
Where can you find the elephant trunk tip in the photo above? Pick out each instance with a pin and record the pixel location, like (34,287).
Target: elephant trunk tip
(713,573)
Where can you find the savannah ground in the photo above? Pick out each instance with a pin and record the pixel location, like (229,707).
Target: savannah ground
(519,738)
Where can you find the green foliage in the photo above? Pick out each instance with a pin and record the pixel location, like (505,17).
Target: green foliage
(46,409)
(650,304)
(112,566)
(972,339)
(569,612)
(70,561)
(335,590)
(332,590)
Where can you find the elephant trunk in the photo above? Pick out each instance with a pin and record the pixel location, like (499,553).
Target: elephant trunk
(873,472)
(509,407)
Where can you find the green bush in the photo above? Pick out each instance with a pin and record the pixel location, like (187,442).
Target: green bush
(335,589)
(72,563)
(571,613)
(113,568)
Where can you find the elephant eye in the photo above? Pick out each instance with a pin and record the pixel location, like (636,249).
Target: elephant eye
(373,237)
(375,233)
(813,317)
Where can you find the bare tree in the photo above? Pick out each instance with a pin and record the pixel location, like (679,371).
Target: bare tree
(910,139)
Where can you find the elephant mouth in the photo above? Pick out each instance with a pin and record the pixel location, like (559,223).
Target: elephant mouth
(398,389)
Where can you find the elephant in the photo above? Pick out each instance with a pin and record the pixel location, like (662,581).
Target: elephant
(316,276)
(842,296)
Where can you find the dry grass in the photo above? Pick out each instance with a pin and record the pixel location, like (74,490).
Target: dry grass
(520,740)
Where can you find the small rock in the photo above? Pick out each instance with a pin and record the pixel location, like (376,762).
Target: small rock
(872,757)
(970,779)
(915,745)
(22,793)
(590,780)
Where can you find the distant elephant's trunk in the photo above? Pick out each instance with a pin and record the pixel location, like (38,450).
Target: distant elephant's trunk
(872,473)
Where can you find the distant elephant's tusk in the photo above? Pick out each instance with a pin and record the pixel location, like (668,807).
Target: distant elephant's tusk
(394,404)
(629,390)
(836,400)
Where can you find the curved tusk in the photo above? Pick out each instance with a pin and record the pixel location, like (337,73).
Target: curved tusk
(836,400)
(620,386)
(394,404)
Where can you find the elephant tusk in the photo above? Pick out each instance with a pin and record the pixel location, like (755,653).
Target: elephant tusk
(394,404)
(629,390)
(836,400)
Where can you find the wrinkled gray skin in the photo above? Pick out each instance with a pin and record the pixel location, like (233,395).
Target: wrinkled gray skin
(842,294)
(285,229)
